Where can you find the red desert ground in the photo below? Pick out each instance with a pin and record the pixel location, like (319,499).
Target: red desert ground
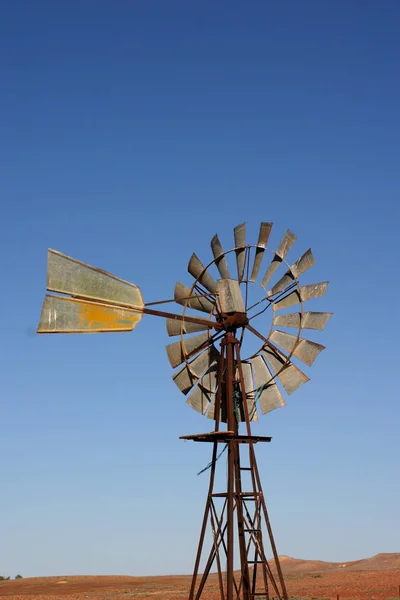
(375,578)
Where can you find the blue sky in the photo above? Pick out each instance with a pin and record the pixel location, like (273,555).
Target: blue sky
(131,133)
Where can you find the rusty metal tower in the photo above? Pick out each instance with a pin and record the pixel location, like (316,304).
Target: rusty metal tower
(221,384)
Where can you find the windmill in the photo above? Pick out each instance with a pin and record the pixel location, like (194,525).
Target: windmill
(218,315)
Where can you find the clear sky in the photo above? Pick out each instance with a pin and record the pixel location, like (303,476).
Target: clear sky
(131,133)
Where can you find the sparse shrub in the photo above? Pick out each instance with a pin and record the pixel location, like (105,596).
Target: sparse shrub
(18,576)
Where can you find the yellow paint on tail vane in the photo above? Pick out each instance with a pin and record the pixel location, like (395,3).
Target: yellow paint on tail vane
(70,315)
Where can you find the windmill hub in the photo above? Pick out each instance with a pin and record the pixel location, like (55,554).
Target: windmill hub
(232,321)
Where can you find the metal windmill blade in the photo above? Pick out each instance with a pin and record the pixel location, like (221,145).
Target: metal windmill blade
(301,266)
(184,296)
(199,400)
(219,257)
(302,294)
(183,350)
(249,387)
(287,373)
(201,396)
(303,349)
(175,327)
(200,273)
(286,243)
(270,396)
(229,297)
(307,320)
(240,249)
(192,372)
(263,236)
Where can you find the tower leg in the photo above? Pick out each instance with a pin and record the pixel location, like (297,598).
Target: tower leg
(232,426)
(205,522)
(230,516)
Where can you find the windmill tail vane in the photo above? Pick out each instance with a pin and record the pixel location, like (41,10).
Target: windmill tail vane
(218,316)
(93,300)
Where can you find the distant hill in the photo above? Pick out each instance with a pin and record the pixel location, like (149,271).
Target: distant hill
(379,562)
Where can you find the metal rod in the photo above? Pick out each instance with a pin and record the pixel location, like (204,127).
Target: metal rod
(204,525)
(264,568)
(247,262)
(232,426)
(217,408)
(272,346)
(212,555)
(216,550)
(245,577)
(173,299)
(243,389)
(257,303)
(270,300)
(167,315)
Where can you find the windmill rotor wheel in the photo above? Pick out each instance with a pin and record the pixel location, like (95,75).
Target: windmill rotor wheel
(226,301)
